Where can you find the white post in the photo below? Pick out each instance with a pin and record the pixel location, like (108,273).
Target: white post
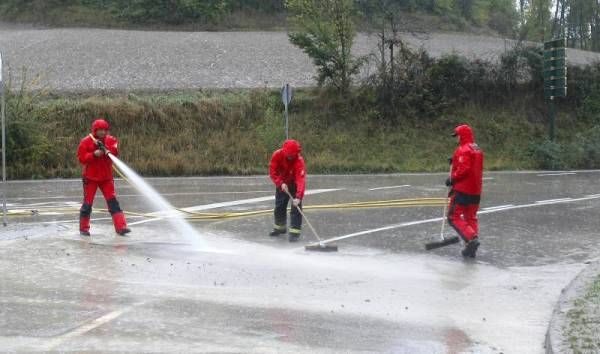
(3,114)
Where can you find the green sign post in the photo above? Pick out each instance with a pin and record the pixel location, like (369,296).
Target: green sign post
(555,76)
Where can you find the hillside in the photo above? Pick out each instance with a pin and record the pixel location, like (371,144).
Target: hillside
(97,59)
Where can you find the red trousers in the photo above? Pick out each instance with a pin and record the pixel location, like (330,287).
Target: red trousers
(89,193)
(462,215)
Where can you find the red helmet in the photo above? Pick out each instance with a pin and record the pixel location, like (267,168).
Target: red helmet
(100,124)
(291,148)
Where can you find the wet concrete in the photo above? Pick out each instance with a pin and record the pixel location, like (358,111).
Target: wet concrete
(381,293)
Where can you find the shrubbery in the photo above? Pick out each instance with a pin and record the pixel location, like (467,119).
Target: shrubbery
(27,143)
(499,15)
(136,12)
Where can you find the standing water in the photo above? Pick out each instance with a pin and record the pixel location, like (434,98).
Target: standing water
(173,216)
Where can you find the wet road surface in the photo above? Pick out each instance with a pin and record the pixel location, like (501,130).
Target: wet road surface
(382,292)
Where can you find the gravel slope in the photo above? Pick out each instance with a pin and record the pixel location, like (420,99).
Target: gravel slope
(99,59)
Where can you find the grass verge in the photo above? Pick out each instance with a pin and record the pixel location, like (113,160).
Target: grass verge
(234,133)
(583,327)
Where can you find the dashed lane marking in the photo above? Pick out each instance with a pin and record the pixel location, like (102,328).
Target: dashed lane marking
(85,328)
(389,187)
(556,174)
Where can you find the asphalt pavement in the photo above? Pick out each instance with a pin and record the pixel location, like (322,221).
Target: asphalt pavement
(155,291)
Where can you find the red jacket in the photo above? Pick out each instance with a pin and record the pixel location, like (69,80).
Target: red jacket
(467,163)
(97,168)
(287,166)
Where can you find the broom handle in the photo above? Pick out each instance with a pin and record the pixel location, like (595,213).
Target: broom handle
(444,220)
(305,218)
(445,210)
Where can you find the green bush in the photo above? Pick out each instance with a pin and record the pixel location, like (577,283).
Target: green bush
(548,155)
(171,12)
(29,149)
(586,149)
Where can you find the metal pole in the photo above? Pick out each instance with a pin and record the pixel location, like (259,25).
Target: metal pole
(3,118)
(552,113)
(286,98)
(287,124)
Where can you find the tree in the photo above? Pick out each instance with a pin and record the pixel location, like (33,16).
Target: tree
(326,34)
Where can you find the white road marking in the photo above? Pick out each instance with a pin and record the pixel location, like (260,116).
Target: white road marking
(231,203)
(144,221)
(488,178)
(250,201)
(426,221)
(389,187)
(499,207)
(83,329)
(550,201)
(557,174)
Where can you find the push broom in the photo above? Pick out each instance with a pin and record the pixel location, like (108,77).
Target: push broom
(320,245)
(443,240)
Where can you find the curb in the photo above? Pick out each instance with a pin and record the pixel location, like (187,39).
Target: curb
(556,342)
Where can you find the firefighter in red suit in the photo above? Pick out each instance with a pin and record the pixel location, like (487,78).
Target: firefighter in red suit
(287,171)
(466,183)
(97,173)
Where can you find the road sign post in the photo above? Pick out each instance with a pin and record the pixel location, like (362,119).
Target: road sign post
(3,119)
(286,98)
(555,77)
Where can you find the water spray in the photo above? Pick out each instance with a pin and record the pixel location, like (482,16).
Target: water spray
(174,217)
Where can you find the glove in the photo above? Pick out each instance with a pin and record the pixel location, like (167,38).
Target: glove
(449,182)
(101,146)
(296,202)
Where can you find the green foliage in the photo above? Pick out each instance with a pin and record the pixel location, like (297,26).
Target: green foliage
(234,132)
(536,20)
(548,155)
(415,84)
(586,147)
(172,12)
(499,15)
(581,327)
(134,12)
(29,149)
(326,34)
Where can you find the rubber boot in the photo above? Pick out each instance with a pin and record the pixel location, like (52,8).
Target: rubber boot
(278,230)
(124,231)
(470,249)
(84,226)
(120,224)
(294,235)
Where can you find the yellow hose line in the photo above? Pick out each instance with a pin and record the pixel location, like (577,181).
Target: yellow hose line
(191,215)
(428,202)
